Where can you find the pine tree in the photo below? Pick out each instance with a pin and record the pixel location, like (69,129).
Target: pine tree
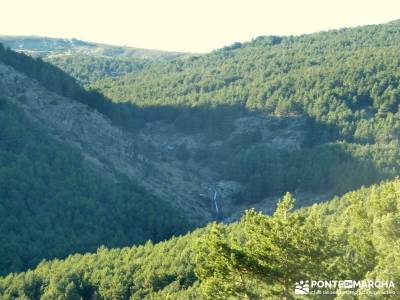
(275,251)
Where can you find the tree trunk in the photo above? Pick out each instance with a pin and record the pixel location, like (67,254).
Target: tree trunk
(286,294)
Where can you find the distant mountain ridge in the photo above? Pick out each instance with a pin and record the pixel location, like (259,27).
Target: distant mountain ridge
(88,61)
(45,46)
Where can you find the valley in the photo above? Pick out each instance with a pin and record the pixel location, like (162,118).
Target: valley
(128,173)
(148,156)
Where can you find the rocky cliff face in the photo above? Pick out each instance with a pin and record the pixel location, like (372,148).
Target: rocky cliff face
(105,147)
(149,156)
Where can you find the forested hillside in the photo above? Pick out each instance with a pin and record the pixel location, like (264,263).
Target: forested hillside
(344,84)
(347,80)
(355,236)
(88,68)
(106,134)
(53,202)
(52,205)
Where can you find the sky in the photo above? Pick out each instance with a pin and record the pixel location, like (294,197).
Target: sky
(186,25)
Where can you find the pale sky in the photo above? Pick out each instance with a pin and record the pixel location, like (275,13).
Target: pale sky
(186,25)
